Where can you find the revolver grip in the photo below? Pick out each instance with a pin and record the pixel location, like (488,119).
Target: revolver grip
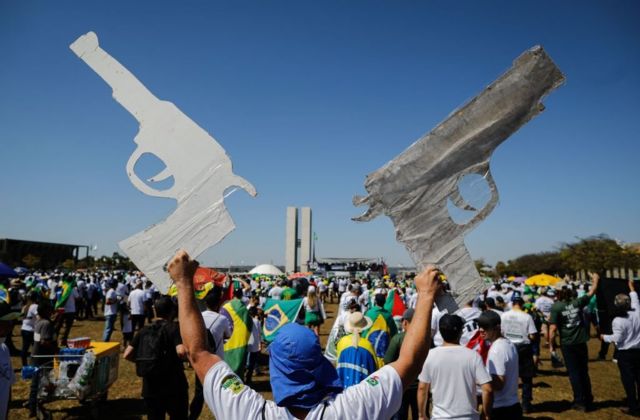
(140,184)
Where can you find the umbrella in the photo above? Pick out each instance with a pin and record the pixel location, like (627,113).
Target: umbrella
(542,280)
(6,271)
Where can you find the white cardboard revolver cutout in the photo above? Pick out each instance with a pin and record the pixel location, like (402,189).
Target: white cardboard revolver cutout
(413,189)
(200,168)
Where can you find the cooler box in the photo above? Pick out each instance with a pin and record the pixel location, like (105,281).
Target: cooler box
(106,368)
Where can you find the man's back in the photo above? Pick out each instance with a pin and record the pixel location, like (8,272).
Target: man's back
(169,378)
(454,372)
(136,302)
(355,363)
(517,326)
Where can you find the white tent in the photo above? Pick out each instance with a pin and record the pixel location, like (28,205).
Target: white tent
(267,269)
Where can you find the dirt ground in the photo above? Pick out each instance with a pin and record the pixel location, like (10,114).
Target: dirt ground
(552,392)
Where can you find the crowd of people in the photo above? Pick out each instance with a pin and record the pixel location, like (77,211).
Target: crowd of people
(390,348)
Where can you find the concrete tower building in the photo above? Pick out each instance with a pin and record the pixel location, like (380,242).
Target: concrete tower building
(291,242)
(305,239)
(294,261)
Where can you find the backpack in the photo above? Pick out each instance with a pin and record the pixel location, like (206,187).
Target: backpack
(152,350)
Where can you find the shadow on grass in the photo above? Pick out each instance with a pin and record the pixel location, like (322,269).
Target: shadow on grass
(544,372)
(125,408)
(566,405)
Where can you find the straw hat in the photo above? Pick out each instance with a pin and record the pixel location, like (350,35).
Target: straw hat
(356,322)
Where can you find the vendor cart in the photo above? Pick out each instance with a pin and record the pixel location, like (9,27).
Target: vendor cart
(77,374)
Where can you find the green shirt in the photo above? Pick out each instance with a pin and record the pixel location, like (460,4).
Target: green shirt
(393,351)
(568,318)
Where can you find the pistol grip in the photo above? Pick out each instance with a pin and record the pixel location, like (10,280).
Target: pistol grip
(139,183)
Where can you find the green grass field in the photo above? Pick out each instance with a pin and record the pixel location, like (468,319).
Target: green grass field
(552,392)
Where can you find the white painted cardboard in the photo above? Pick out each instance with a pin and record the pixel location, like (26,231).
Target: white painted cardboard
(200,168)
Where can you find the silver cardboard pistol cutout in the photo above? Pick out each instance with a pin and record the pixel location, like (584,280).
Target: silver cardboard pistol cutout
(413,189)
(200,168)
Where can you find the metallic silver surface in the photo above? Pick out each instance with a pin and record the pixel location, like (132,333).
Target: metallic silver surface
(413,189)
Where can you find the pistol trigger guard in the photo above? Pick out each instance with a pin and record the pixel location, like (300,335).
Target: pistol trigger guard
(459,201)
(139,183)
(493,201)
(161,176)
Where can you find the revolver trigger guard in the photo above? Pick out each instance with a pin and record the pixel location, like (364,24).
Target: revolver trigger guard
(139,183)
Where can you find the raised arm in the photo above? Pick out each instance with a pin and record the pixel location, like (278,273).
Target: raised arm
(595,278)
(415,346)
(192,330)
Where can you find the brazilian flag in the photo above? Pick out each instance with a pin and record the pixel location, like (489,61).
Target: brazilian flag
(199,294)
(235,349)
(381,331)
(278,313)
(67,289)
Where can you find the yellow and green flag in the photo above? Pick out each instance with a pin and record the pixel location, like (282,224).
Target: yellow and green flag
(278,313)
(235,349)
(67,289)
(199,294)
(381,331)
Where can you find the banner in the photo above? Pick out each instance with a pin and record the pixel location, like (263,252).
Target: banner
(278,313)
(394,304)
(235,349)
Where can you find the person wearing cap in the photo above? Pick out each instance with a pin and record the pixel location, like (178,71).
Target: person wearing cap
(305,385)
(519,328)
(566,319)
(452,372)
(502,364)
(410,396)
(356,357)
(7,316)
(626,337)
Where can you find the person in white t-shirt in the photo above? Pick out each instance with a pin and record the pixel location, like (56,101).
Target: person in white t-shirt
(519,328)
(502,363)
(220,330)
(30,312)
(136,306)
(304,383)
(470,314)
(452,373)
(276,291)
(110,310)
(68,316)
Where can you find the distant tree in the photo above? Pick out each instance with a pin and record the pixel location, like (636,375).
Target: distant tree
(31,260)
(69,264)
(542,262)
(87,262)
(501,268)
(483,268)
(599,253)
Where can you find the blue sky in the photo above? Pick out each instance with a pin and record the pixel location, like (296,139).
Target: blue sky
(307,98)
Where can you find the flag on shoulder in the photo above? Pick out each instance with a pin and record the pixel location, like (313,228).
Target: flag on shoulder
(68,283)
(394,303)
(381,331)
(235,349)
(278,313)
